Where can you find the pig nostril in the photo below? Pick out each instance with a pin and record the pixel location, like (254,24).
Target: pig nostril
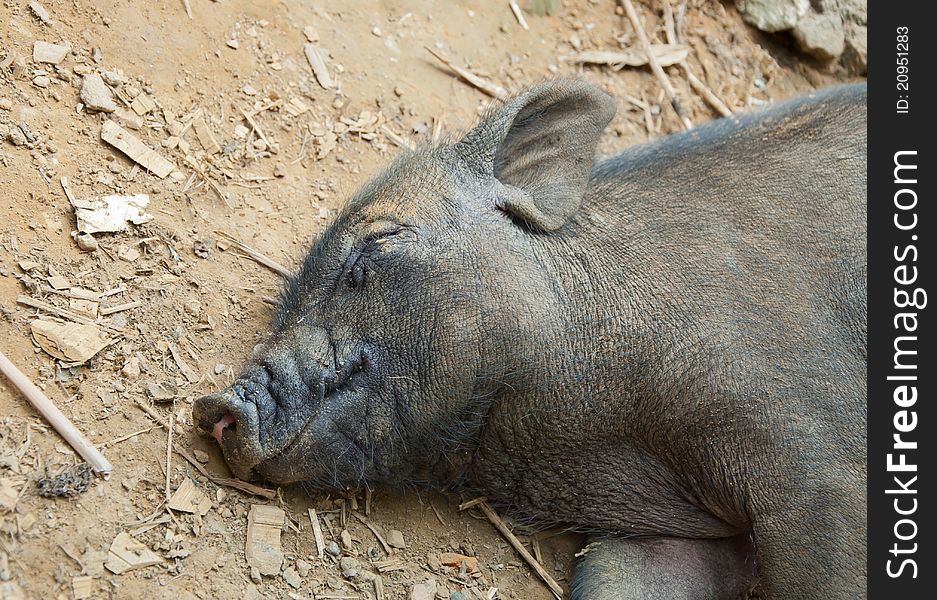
(227,420)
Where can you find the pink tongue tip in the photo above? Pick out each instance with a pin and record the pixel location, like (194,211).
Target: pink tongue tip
(227,419)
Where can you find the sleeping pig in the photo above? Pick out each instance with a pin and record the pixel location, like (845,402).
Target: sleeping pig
(665,348)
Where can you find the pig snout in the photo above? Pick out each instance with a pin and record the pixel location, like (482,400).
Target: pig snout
(280,391)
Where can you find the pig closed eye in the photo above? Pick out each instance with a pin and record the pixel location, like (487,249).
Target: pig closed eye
(369,246)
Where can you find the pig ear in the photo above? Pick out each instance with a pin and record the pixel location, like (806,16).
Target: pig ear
(541,146)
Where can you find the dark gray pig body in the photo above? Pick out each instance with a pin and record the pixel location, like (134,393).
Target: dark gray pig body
(666,347)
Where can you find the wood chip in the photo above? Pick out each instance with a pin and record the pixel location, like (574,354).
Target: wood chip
(9,494)
(317,62)
(142,104)
(263,549)
(317,532)
(205,136)
(129,144)
(82,586)
(44,52)
(189,373)
(41,13)
(190,499)
(666,55)
(70,342)
(127,554)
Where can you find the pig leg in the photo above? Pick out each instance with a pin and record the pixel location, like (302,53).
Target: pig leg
(665,568)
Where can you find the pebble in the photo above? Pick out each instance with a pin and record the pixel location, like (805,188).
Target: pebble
(232,43)
(333,549)
(131,370)
(220,368)
(350,567)
(87,243)
(17,137)
(424,591)
(395,539)
(291,577)
(42,81)
(255,575)
(6,104)
(457,596)
(201,456)
(96,95)
(302,567)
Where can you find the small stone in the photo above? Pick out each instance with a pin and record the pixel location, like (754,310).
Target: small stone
(129,119)
(333,549)
(113,78)
(395,539)
(201,456)
(192,307)
(259,145)
(255,575)
(424,591)
(220,368)
(376,31)
(232,43)
(201,248)
(279,170)
(249,90)
(53,54)
(350,567)
(291,577)
(345,537)
(96,95)
(457,596)
(821,36)
(130,370)
(17,137)
(18,67)
(302,567)
(42,81)
(86,242)
(772,15)
(6,104)
(41,13)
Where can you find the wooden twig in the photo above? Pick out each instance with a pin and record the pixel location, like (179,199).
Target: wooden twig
(61,312)
(712,99)
(169,430)
(124,438)
(698,86)
(519,15)
(188,8)
(254,254)
(492,89)
(54,416)
(655,66)
(474,502)
(525,554)
(373,529)
(317,533)
(250,119)
(120,307)
(397,139)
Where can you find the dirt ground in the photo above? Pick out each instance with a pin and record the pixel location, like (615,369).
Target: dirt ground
(180,304)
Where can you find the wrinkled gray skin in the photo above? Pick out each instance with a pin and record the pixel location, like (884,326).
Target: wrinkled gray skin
(666,347)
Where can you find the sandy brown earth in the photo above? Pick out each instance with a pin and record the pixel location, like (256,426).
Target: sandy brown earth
(189,304)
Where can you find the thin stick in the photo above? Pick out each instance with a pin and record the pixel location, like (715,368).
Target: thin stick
(492,89)
(61,312)
(698,86)
(250,119)
(380,539)
(124,438)
(397,139)
(712,99)
(257,256)
(519,15)
(367,501)
(169,430)
(436,512)
(512,539)
(470,503)
(120,307)
(317,533)
(54,416)
(655,66)
(188,9)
